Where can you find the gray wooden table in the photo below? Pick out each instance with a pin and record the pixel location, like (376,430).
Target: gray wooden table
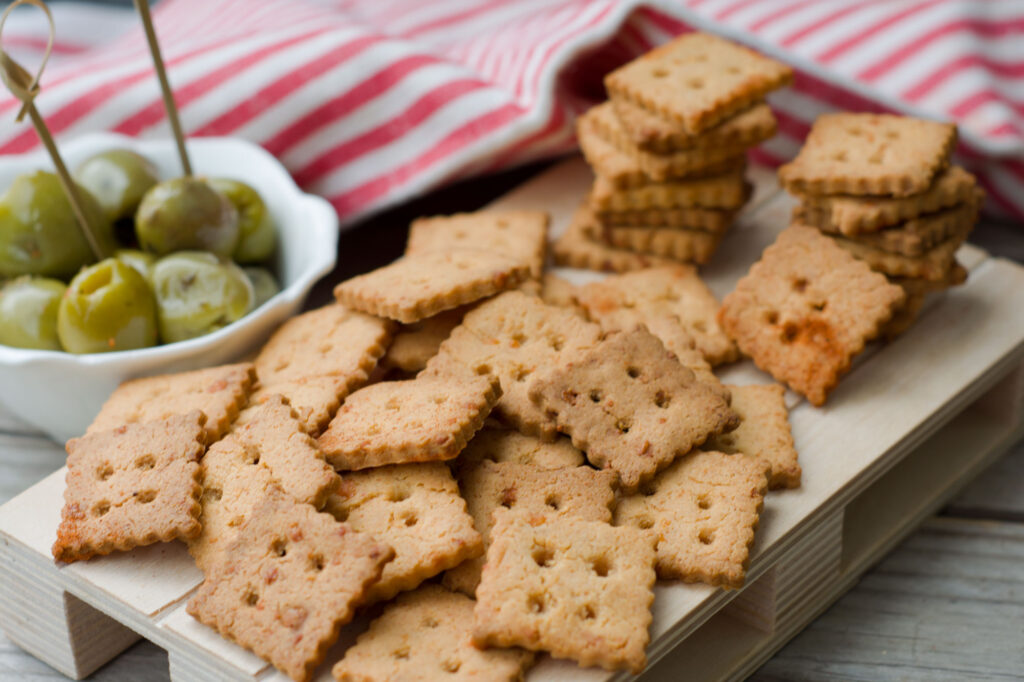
(948,604)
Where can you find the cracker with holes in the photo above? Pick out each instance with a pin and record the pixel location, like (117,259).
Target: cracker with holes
(423,284)
(673,335)
(579,492)
(219,392)
(726,191)
(874,154)
(512,337)
(639,298)
(763,432)
(317,358)
(853,215)
(806,309)
(577,589)
(424,636)
(504,445)
(704,510)
(685,246)
(615,158)
(579,248)
(287,582)
(912,238)
(934,264)
(659,135)
(266,447)
(423,419)
(414,508)
(625,170)
(414,344)
(520,234)
(631,406)
(697,80)
(132,486)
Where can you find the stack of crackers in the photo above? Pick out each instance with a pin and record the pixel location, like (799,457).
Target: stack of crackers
(669,148)
(502,462)
(882,187)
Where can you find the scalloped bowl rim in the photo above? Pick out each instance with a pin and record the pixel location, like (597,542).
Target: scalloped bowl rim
(326,228)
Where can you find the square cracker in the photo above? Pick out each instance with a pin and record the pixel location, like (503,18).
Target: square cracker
(624,301)
(631,406)
(659,135)
(579,491)
(912,238)
(317,358)
(414,508)
(424,636)
(414,344)
(673,334)
(503,445)
(267,447)
(934,264)
(512,337)
(876,154)
(578,589)
(723,192)
(806,309)
(704,219)
(219,392)
(423,284)
(606,147)
(133,486)
(287,582)
(424,419)
(697,80)
(680,245)
(625,170)
(763,432)
(856,215)
(520,234)
(578,247)
(704,510)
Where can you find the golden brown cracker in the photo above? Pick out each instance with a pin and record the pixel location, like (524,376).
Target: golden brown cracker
(728,191)
(578,248)
(679,245)
(934,264)
(763,432)
(704,219)
(505,445)
(659,135)
(520,234)
(414,344)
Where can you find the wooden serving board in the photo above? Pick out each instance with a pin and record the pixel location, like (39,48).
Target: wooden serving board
(913,421)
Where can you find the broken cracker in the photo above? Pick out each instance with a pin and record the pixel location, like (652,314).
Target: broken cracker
(631,406)
(420,285)
(428,418)
(623,301)
(763,432)
(577,491)
(513,336)
(287,582)
(520,234)
(874,154)
(135,485)
(697,80)
(423,636)
(575,588)
(806,309)
(704,510)
(317,358)
(219,392)
(414,508)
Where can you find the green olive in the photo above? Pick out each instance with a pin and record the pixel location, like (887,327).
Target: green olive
(107,307)
(28,313)
(198,293)
(185,214)
(39,234)
(117,179)
(264,284)
(258,237)
(140,260)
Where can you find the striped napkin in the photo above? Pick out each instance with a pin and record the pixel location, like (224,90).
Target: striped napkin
(371,102)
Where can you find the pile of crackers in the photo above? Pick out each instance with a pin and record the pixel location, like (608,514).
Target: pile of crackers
(513,480)
(883,188)
(669,147)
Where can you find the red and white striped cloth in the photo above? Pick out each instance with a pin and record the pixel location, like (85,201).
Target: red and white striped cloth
(369,102)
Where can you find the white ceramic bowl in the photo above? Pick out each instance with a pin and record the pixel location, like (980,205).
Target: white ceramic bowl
(60,393)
